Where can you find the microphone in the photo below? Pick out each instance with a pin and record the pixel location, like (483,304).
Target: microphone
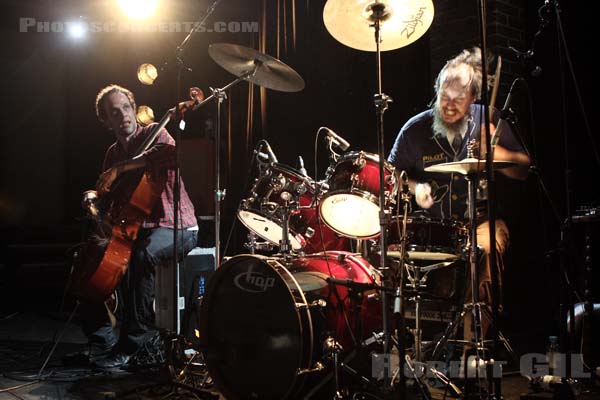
(506,113)
(336,139)
(526,57)
(349,283)
(262,157)
(301,164)
(507,110)
(404,178)
(267,148)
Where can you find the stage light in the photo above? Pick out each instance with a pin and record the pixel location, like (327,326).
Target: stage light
(147,73)
(145,115)
(138,9)
(76,30)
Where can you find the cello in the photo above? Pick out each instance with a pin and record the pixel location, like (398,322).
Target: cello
(104,257)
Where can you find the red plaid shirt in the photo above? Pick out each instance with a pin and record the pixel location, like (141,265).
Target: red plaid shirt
(160,161)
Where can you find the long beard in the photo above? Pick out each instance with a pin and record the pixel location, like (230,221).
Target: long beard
(444,129)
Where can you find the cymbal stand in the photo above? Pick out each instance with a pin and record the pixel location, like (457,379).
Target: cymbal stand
(220,94)
(381,102)
(416,282)
(475,305)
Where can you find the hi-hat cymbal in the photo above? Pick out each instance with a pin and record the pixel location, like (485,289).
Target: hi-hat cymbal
(402,22)
(270,73)
(468,166)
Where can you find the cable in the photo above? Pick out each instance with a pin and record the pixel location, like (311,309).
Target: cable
(58,339)
(19,386)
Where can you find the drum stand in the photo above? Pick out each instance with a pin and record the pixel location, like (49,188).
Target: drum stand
(253,245)
(475,306)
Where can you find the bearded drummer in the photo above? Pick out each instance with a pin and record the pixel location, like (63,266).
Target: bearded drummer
(440,135)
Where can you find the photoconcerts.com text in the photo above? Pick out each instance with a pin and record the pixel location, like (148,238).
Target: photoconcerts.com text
(31,25)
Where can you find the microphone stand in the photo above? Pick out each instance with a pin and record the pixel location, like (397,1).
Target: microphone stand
(495,383)
(180,124)
(172,332)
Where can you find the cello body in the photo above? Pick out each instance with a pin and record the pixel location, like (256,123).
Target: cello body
(104,258)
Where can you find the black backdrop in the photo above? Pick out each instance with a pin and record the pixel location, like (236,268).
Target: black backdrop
(52,145)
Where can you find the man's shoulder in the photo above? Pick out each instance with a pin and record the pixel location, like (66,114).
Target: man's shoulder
(417,124)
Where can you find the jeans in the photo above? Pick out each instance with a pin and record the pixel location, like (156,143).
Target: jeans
(136,291)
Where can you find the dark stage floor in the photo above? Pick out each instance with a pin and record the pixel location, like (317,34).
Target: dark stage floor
(27,338)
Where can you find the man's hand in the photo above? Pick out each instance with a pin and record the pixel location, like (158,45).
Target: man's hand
(423,195)
(106,180)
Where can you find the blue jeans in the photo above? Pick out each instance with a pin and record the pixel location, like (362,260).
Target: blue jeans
(136,291)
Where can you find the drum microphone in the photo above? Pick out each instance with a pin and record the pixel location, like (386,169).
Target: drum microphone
(506,113)
(301,164)
(336,139)
(404,179)
(269,152)
(349,283)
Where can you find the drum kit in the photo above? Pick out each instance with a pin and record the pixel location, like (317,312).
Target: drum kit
(282,325)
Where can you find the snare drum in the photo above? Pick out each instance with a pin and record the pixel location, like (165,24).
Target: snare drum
(351,206)
(431,239)
(263,322)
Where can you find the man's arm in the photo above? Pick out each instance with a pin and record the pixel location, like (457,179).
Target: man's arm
(502,153)
(159,157)
(519,172)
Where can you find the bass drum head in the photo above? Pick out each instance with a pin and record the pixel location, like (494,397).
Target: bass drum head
(254,329)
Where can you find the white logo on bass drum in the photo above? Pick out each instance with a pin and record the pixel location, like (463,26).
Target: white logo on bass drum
(253,282)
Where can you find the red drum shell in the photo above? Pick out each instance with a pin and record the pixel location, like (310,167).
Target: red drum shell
(351,205)
(262,321)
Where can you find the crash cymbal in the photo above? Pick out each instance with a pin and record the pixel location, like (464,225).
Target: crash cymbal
(402,22)
(468,166)
(271,73)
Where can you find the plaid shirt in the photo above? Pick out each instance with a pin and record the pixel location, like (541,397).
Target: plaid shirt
(160,162)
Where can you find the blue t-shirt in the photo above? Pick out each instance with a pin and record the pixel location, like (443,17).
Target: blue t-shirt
(416,147)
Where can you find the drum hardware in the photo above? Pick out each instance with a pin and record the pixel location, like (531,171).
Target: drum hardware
(253,245)
(261,211)
(318,367)
(470,167)
(285,247)
(332,349)
(417,277)
(257,68)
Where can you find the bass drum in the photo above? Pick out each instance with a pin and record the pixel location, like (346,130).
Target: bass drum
(263,322)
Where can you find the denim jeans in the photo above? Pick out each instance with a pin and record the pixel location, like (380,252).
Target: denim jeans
(136,291)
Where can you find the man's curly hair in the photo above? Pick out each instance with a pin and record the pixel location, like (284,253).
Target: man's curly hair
(102,94)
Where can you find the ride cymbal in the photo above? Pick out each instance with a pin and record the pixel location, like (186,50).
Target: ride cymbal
(402,22)
(270,72)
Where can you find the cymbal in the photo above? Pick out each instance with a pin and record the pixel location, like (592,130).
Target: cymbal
(271,73)
(468,166)
(402,22)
